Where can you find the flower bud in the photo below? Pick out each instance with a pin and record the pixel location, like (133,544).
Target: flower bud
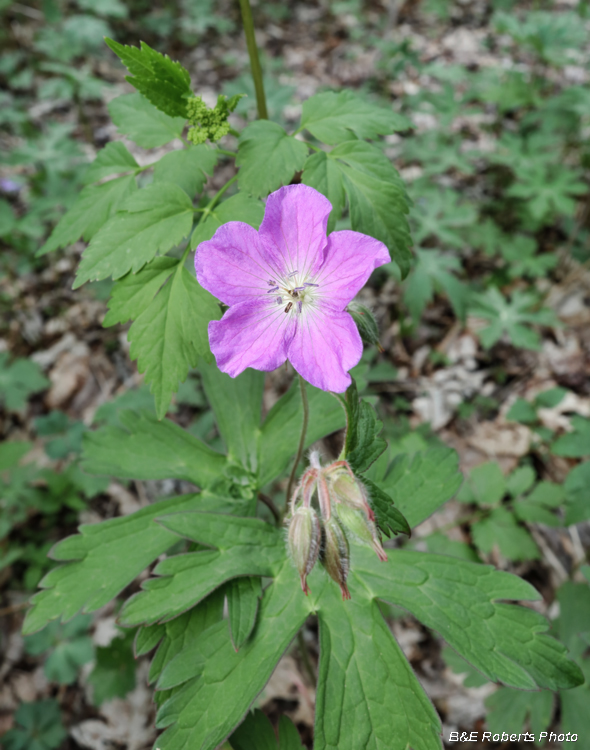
(305,533)
(361,527)
(336,556)
(349,491)
(366,323)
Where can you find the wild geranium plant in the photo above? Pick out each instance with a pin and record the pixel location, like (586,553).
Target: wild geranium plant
(273,282)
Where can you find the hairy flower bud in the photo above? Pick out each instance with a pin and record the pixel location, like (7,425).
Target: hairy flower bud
(349,491)
(363,529)
(305,533)
(366,323)
(336,554)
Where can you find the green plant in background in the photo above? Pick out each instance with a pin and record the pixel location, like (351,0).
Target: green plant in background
(69,648)
(38,727)
(113,675)
(142,224)
(511,318)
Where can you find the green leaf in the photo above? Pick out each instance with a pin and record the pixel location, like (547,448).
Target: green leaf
(245,544)
(501,529)
(103,559)
(255,733)
(454,597)
(485,486)
(70,648)
(389,518)
(376,196)
(522,411)
(333,118)
(268,158)
(114,673)
(508,710)
(188,168)
(574,618)
(170,335)
(239,207)
(440,544)
(521,480)
(148,449)
(575,444)
(459,666)
(38,727)
(210,707)
(11,453)
(279,434)
(165,83)
(421,483)
(18,381)
(362,446)
(441,214)
(550,398)
(133,294)
(136,118)
(114,158)
(432,273)
(458,600)
(324,174)
(511,318)
(539,504)
(177,634)
(96,204)
(577,507)
(243,599)
(151,221)
(237,403)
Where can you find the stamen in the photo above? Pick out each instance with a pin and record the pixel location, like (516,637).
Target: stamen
(290,276)
(308,283)
(270,282)
(274,289)
(299,306)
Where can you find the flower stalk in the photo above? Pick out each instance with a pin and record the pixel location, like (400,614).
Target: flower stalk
(248,22)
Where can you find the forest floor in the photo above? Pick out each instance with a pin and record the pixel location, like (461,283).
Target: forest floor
(434,380)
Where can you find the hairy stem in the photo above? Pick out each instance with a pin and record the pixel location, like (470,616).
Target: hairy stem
(301,440)
(254,59)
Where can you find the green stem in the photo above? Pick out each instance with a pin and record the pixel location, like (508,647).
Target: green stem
(254,59)
(301,440)
(226,152)
(206,211)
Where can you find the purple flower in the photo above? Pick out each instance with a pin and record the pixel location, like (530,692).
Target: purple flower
(287,287)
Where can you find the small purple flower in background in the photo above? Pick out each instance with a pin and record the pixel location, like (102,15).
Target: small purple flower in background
(287,287)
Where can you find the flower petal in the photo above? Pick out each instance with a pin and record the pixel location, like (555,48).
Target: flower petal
(294,227)
(325,346)
(251,334)
(351,257)
(231,266)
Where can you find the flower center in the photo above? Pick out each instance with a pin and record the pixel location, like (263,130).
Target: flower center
(294,291)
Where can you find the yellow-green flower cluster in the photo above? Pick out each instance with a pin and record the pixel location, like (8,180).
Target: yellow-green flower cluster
(209,123)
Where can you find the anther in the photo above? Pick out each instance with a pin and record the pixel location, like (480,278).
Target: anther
(279,300)
(308,283)
(290,276)
(299,306)
(274,289)
(299,289)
